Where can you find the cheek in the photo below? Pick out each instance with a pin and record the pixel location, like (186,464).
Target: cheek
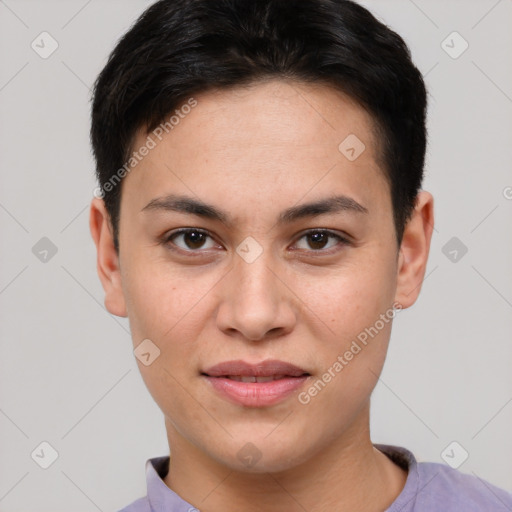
(163,301)
(357,309)
(350,298)
(164,306)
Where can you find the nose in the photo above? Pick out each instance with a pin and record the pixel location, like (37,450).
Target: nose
(255,302)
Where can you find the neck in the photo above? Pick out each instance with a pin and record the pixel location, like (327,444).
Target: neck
(348,474)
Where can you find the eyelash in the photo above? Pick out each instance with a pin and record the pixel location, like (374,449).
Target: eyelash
(167,241)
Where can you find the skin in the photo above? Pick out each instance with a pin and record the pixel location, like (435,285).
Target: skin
(253,152)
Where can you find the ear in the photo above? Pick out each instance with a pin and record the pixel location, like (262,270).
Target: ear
(414,250)
(107,258)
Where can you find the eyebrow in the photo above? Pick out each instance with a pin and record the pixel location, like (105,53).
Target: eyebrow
(191,206)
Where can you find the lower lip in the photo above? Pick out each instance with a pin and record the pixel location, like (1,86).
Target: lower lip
(256,394)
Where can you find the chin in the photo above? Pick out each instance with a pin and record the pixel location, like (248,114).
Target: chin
(259,452)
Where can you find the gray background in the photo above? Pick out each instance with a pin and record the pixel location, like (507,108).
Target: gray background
(67,372)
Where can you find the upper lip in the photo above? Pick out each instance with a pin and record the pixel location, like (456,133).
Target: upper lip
(267,368)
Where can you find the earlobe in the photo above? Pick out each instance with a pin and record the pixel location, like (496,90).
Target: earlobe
(107,260)
(414,250)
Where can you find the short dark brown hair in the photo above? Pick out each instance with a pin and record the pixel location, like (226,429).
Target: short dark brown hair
(180,48)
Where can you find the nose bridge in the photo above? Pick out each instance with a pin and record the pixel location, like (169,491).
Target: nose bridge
(254,279)
(255,301)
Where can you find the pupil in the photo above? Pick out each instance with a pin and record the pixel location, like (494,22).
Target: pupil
(195,238)
(318,238)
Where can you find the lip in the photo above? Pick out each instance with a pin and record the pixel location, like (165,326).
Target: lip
(267,368)
(255,394)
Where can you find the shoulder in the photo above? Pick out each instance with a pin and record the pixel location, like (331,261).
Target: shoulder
(441,487)
(158,495)
(140,505)
(431,486)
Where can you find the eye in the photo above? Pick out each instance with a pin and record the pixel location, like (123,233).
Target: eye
(195,240)
(190,239)
(318,240)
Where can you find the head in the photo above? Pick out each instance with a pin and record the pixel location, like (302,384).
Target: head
(287,138)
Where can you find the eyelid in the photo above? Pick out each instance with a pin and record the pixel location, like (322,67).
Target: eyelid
(166,239)
(343,240)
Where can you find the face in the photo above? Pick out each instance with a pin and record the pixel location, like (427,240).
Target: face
(256,276)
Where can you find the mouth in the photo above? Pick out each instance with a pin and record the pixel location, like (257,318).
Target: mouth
(253,378)
(255,385)
(264,371)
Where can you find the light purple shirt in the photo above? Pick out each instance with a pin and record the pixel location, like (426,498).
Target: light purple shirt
(430,487)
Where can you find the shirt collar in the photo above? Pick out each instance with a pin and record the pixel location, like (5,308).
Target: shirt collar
(161,497)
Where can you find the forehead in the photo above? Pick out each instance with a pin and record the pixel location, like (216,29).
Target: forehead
(268,138)
(279,113)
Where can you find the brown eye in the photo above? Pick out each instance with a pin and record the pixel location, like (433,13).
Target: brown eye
(318,240)
(190,239)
